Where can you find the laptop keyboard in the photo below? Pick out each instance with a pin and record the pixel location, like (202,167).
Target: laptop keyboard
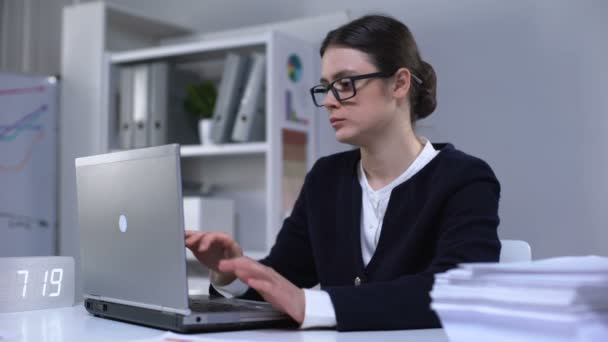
(214,306)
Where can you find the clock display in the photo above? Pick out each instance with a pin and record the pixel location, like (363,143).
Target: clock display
(32,283)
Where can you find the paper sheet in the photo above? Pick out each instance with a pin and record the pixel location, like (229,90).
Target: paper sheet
(173,337)
(6,336)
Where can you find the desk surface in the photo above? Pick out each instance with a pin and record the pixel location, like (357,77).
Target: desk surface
(75,324)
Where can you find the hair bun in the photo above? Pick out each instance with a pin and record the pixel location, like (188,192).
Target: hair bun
(426,97)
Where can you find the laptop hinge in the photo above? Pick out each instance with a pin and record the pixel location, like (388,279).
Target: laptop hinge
(174,311)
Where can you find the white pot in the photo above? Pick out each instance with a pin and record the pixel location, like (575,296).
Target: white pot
(204,131)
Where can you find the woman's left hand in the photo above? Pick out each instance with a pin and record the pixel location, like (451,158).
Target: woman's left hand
(276,290)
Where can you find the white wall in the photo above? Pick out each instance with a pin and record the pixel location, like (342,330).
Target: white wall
(30,36)
(522,84)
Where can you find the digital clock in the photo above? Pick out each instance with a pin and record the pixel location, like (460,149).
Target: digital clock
(32,283)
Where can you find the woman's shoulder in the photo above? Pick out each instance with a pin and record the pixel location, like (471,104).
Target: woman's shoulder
(341,161)
(333,169)
(458,164)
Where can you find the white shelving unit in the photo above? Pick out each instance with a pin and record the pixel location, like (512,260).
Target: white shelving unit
(89,30)
(224,149)
(263,178)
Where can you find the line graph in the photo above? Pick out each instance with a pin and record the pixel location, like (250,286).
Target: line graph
(11,132)
(28,164)
(15,221)
(22,91)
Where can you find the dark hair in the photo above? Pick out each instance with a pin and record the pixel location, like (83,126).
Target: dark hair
(391,46)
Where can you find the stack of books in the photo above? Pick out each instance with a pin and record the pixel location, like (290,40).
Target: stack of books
(557,299)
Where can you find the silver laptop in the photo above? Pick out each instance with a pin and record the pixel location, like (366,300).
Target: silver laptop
(133,250)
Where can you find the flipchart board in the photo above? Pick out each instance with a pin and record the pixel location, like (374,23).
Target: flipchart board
(28,165)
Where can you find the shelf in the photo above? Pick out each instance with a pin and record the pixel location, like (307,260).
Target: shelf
(294,126)
(251,174)
(187,48)
(223,149)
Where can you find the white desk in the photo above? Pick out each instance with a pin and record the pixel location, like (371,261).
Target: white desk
(75,324)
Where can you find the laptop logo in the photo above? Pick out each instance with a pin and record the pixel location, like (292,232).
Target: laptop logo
(122,223)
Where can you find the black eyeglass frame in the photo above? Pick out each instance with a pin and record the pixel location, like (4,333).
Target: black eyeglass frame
(352,80)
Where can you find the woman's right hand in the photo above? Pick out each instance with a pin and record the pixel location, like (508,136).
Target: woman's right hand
(210,248)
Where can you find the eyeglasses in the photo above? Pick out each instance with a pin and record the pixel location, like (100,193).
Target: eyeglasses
(344,88)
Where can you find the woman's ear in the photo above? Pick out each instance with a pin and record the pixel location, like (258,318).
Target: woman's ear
(402,83)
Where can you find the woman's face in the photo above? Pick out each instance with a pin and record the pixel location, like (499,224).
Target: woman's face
(360,119)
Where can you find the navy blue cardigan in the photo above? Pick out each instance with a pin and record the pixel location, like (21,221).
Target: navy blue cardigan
(444,215)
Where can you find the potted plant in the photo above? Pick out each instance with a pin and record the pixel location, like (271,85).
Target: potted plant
(199,103)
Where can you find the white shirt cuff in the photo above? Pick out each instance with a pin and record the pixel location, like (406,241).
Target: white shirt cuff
(234,289)
(319,311)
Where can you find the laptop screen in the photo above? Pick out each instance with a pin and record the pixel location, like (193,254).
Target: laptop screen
(131,227)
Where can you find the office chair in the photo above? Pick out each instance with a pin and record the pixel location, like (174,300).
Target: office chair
(515,250)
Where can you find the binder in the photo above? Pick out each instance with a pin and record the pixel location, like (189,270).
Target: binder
(158,79)
(230,91)
(150,93)
(125,133)
(250,122)
(181,128)
(140,105)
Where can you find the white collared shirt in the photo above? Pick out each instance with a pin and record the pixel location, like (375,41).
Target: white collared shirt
(319,310)
(375,202)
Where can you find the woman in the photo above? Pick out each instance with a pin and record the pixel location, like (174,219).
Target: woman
(372,226)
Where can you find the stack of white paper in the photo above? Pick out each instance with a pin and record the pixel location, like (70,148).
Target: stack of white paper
(558,299)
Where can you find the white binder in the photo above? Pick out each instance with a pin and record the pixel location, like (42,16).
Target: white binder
(140,105)
(181,128)
(229,95)
(250,121)
(158,78)
(125,114)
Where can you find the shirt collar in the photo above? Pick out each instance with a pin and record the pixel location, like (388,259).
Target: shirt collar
(424,157)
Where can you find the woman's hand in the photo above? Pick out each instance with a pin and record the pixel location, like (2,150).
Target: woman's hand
(276,290)
(210,248)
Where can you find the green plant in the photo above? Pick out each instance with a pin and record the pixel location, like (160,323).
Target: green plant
(200,100)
